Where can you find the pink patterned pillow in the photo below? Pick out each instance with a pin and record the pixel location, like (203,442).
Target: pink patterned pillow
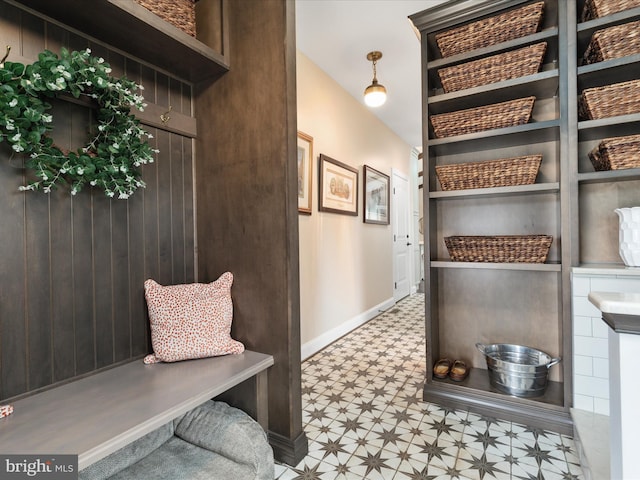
(191,320)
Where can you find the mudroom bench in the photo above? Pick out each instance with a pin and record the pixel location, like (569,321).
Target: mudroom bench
(97,415)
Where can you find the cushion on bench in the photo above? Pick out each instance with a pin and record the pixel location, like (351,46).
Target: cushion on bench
(213,441)
(128,455)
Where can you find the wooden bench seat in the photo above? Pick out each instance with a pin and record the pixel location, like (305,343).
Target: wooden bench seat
(96,415)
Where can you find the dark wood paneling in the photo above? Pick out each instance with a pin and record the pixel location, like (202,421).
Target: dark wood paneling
(190,267)
(83,286)
(70,132)
(33,39)
(72,268)
(165,266)
(13,335)
(38,291)
(120,279)
(150,209)
(13,328)
(102,273)
(176,209)
(247,198)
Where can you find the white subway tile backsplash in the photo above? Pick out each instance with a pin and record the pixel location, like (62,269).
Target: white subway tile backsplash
(601,406)
(583,402)
(590,336)
(590,346)
(582,326)
(599,328)
(583,307)
(592,386)
(582,385)
(583,365)
(600,367)
(581,286)
(624,285)
(582,346)
(600,347)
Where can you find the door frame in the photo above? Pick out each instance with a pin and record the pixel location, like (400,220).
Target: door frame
(395,174)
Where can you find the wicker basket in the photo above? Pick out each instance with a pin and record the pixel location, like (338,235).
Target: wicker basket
(494,173)
(180,13)
(487,117)
(515,23)
(514,64)
(610,100)
(499,248)
(616,153)
(602,8)
(613,42)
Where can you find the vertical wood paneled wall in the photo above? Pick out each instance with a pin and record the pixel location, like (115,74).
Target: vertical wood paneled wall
(72,268)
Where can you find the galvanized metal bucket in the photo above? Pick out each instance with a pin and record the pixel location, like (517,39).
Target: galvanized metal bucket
(517,370)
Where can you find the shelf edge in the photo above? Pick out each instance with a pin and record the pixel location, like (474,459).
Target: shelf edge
(526,267)
(497,191)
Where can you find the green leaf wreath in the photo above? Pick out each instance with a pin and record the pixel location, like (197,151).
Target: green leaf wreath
(118,145)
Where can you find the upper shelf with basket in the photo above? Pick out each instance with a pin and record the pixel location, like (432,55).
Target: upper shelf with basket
(534,132)
(608,81)
(134,29)
(611,43)
(540,85)
(494,67)
(494,33)
(593,14)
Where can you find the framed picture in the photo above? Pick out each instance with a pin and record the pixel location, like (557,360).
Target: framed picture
(338,187)
(376,196)
(305,162)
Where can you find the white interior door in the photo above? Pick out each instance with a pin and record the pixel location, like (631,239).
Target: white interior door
(401,214)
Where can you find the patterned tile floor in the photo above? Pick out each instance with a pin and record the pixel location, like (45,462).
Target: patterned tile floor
(364,417)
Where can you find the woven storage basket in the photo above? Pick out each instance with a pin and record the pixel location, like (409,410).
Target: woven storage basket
(613,42)
(487,117)
(180,13)
(616,153)
(494,173)
(514,64)
(601,8)
(490,31)
(499,248)
(610,100)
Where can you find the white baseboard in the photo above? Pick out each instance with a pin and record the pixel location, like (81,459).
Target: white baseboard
(318,343)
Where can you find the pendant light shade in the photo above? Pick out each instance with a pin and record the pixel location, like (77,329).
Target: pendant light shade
(375,94)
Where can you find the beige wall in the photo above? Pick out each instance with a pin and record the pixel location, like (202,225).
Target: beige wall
(346,266)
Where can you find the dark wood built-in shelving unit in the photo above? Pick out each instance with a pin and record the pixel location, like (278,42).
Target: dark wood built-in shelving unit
(520,303)
(529,304)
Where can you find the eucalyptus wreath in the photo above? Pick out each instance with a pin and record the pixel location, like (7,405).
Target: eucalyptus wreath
(118,145)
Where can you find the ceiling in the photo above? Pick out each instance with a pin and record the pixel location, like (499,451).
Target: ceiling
(336,35)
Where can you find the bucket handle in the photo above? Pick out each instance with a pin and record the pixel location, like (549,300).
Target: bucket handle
(553,362)
(481,347)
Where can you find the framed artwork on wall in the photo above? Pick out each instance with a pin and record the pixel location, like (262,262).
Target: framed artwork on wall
(338,187)
(376,196)
(305,162)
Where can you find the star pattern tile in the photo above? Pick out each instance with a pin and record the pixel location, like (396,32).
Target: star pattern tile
(364,417)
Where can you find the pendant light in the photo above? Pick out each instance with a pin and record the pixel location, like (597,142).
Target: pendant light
(375,94)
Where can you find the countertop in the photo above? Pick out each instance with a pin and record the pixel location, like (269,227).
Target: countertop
(621,311)
(618,303)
